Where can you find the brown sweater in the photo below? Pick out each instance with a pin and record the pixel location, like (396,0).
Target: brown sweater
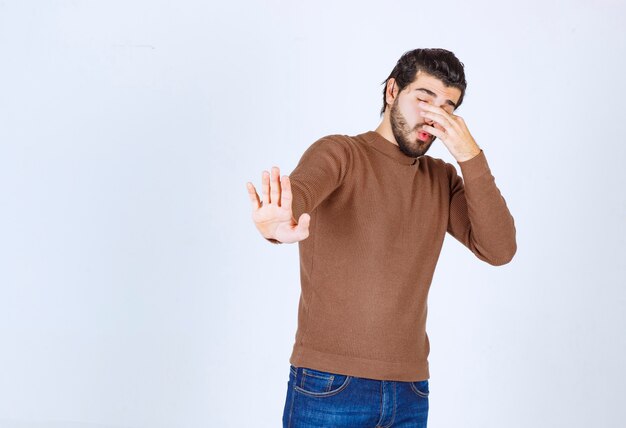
(378,222)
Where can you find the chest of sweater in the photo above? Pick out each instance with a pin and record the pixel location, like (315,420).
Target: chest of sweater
(389,204)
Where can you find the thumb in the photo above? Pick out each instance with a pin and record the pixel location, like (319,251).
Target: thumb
(303,225)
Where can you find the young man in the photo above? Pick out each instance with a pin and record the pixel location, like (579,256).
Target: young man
(370,213)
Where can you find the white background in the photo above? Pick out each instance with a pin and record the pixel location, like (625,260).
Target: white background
(134,289)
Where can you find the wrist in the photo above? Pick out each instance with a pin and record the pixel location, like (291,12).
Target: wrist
(468,155)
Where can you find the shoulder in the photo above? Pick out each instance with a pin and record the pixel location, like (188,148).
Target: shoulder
(438,164)
(335,144)
(445,169)
(335,140)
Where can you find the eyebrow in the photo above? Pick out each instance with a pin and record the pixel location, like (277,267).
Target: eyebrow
(431,93)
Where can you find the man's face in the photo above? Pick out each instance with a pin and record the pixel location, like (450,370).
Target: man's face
(406,122)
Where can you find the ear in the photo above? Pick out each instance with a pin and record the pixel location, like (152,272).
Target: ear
(391,91)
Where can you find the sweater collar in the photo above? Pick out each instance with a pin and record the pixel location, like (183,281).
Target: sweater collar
(386,147)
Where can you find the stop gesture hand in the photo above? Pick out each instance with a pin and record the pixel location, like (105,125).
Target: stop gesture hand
(272,215)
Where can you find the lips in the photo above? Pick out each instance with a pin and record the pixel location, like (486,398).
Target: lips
(423,135)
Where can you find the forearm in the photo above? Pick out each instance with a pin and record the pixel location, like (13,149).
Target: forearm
(480,217)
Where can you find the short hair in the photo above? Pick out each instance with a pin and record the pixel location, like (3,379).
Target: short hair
(439,63)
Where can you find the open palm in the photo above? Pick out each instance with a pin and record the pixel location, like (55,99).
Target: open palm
(272,215)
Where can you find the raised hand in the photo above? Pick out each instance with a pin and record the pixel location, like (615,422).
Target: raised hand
(272,215)
(451,130)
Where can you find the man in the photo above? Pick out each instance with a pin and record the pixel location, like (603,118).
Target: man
(370,213)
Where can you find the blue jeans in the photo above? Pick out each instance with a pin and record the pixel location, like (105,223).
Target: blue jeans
(321,399)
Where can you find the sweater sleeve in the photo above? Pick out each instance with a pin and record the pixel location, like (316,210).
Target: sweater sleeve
(479,217)
(320,171)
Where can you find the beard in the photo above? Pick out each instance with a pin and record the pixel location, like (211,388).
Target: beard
(406,137)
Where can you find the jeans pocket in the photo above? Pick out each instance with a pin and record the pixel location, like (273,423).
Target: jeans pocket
(317,383)
(420,388)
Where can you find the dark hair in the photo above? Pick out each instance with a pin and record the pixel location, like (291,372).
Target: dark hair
(439,63)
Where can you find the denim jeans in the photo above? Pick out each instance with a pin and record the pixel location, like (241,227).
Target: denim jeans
(321,399)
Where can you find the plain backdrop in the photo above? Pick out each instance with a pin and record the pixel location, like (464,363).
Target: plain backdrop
(134,288)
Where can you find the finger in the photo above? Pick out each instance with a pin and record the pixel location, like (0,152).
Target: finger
(285,195)
(444,121)
(303,226)
(254,196)
(459,120)
(435,131)
(442,116)
(433,108)
(275,186)
(265,187)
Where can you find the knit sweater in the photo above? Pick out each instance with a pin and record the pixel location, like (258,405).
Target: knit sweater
(378,222)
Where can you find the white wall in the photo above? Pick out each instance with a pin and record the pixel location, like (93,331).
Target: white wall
(134,290)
